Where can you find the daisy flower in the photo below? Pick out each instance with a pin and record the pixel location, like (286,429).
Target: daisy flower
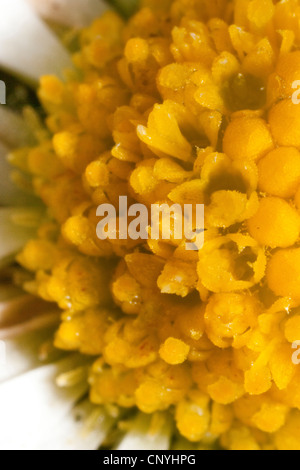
(146,345)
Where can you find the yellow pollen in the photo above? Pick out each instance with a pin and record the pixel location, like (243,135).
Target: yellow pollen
(174,351)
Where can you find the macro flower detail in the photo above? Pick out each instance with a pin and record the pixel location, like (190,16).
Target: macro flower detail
(155,346)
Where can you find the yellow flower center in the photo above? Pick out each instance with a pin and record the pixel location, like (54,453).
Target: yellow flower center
(189,101)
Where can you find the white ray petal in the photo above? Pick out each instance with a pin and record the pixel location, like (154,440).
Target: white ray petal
(14,232)
(28,46)
(22,354)
(74,432)
(13,130)
(76,13)
(33,408)
(142,437)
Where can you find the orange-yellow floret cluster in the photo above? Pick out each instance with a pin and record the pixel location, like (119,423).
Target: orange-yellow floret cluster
(189,101)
